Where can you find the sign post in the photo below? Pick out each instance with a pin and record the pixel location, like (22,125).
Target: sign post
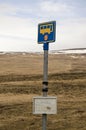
(42,105)
(45,80)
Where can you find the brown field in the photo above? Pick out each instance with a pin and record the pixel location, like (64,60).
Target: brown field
(21,78)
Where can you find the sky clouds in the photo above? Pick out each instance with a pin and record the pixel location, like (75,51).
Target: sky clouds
(19,20)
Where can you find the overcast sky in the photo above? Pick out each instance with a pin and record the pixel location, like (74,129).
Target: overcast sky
(19,21)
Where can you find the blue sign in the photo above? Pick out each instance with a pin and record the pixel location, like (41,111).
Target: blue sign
(46,32)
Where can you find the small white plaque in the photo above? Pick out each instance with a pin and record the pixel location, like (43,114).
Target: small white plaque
(45,105)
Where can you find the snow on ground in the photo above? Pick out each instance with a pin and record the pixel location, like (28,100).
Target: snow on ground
(64,51)
(70,51)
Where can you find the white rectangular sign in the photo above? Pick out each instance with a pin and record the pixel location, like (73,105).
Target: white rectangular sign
(45,105)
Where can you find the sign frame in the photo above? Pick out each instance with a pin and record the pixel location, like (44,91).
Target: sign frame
(44,105)
(47,32)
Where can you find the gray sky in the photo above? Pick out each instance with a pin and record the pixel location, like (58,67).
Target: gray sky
(19,20)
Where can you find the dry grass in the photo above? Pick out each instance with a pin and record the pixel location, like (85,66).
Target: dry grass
(33,64)
(9,98)
(21,78)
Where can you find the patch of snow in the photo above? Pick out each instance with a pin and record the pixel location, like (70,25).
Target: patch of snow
(74,57)
(70,51)
(2,53)
(75,51)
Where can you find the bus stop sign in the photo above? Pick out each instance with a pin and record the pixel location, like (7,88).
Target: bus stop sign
(46,32)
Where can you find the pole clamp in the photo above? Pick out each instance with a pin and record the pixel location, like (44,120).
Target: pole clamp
(45,89)
(45,83)
(46,46)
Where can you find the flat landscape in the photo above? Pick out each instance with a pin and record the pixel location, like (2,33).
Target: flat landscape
(21,76)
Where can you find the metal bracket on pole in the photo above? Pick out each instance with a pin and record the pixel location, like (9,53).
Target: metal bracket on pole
(46,46)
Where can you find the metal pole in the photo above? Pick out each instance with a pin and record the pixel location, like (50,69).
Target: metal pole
(45,81)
